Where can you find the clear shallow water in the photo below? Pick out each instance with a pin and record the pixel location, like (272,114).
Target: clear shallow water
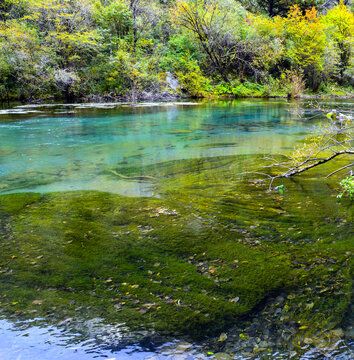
(73,147)
(72,151)
(28,341)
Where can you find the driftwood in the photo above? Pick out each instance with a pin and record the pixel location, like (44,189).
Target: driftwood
(142,177)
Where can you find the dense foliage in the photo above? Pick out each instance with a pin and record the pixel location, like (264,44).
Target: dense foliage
(94,49)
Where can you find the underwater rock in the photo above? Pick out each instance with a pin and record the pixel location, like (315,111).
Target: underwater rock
(349,333)
(222,356)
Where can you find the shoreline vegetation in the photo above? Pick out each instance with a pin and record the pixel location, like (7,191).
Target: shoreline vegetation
(163,98)
(138,50)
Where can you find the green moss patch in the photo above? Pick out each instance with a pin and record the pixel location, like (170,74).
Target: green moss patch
(192,263)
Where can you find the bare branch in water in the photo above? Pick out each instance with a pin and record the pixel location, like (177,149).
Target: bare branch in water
(332,141)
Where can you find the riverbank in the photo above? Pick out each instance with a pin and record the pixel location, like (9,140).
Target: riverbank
(255,91)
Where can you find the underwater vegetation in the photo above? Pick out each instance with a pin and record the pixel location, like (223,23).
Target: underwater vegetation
(193,261)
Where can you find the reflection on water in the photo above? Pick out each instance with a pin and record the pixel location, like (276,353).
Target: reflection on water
(54,152)
(202,244)
(29,340)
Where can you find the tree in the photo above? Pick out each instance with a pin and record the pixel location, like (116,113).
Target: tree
(116,18)
(305,43)
(67,28)
(224,32)
(23,63)
(339,25)
(134,7)
(12,9)
(281,7)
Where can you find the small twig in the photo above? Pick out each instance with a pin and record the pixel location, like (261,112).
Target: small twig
(133,177)
(342,168)
(257,173)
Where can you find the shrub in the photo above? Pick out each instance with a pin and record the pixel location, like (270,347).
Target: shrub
(293,83)
(347,186)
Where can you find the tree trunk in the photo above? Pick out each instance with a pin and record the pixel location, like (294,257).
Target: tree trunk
(133,8)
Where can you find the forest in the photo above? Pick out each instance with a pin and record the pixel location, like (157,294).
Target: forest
(102,50)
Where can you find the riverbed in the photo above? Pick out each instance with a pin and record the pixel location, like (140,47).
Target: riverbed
(137,231)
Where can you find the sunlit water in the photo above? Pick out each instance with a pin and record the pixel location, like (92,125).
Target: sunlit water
(70,147)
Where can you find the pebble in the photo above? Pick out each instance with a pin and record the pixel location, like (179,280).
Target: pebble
(349,333)
(338,332)
(65,322)
(308,341)
(180,357)
(222,337)
(277,311)
(263,344)
(266,333)
(222,356)
(279,299)
(182,347)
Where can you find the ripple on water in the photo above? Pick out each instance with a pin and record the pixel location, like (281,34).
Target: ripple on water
(93,339)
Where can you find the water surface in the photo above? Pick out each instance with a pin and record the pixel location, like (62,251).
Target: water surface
(132,232)
(63,148)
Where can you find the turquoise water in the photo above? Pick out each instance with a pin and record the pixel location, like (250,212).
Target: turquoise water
(69,147)
(73,147)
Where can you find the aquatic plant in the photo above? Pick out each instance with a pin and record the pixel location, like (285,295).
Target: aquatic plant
(193,262)
(347,185)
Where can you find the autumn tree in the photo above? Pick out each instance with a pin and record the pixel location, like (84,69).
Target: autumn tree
(23,62)
(67,29)
(225,34)
(305,43)
(339,25)
(12,9)
(281,7)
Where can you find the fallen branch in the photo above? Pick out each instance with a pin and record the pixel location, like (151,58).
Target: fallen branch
(338,170)
(142,177)
(336,137)
(297,170)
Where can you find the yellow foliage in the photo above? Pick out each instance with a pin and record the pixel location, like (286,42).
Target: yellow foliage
(305,37)
(339,22)
(17,36)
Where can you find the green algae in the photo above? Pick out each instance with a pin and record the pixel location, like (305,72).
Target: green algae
(174,168)
(192,262)
(27,179)
(91,251)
